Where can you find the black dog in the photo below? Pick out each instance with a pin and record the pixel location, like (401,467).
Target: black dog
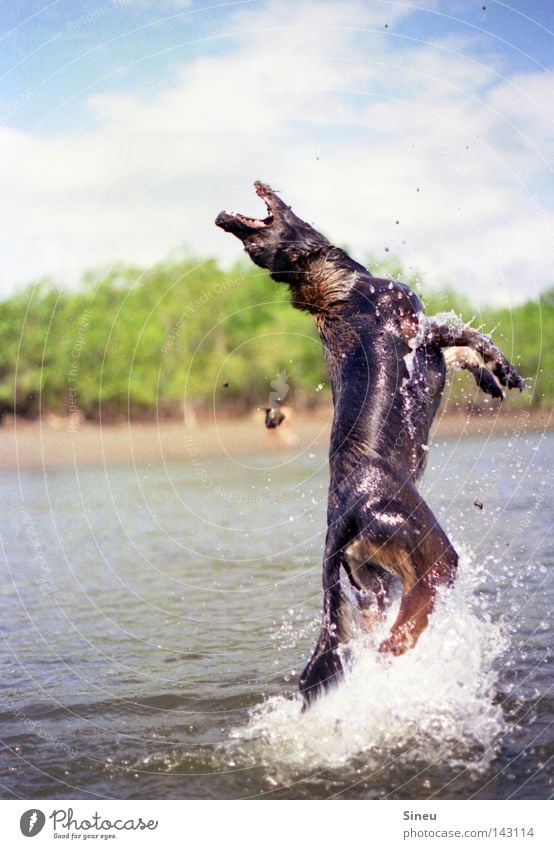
(387,371)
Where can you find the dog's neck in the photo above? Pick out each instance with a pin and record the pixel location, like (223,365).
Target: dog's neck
(323,280)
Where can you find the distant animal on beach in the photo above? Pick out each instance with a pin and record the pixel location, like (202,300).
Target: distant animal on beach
(387,363)
(279,420)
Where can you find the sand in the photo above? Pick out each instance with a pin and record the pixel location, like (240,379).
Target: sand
(56,442)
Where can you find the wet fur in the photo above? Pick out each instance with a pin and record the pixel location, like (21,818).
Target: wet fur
(387,372)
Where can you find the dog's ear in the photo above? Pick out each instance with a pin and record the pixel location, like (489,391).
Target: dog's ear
(297,251)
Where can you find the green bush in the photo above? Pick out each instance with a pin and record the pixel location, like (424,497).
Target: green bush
(142,342)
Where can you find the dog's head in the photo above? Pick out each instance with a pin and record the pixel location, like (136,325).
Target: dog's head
(278,242)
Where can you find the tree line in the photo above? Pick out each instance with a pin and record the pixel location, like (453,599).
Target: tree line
(186,333)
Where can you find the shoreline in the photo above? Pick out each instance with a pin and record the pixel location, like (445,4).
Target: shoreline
(46,444)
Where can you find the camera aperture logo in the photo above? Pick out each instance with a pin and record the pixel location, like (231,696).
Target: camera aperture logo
(32,822)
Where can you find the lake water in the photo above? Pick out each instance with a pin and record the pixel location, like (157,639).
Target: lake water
(156,619)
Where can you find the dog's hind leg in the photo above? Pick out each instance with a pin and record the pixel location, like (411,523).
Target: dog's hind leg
(371,588)
(404,538)
(422,568)
(325,665)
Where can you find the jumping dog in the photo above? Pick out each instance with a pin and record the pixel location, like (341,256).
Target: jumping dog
(387,365)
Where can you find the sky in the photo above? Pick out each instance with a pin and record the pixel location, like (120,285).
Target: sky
(420,129)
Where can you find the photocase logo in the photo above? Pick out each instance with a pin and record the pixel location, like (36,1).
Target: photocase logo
(280,389)
(32,822)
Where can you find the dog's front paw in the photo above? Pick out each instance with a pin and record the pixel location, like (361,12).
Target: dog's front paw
(506,373)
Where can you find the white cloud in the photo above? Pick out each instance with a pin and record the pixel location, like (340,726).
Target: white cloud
(347,120)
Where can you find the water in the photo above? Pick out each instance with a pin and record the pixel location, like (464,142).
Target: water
(156,619)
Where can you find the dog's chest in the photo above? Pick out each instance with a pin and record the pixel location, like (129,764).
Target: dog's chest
(324,286)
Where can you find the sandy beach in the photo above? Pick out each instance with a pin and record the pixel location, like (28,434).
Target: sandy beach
(50,444)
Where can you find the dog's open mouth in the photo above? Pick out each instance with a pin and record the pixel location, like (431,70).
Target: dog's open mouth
(242,225)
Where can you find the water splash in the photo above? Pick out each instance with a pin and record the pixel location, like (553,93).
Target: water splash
(435,701)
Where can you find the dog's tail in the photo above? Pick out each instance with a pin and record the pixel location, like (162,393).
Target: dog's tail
(324,669)
(326,666)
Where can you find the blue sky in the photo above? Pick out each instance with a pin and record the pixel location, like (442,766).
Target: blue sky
(126,125)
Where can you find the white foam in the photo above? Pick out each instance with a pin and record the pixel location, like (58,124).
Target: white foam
(434,702)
